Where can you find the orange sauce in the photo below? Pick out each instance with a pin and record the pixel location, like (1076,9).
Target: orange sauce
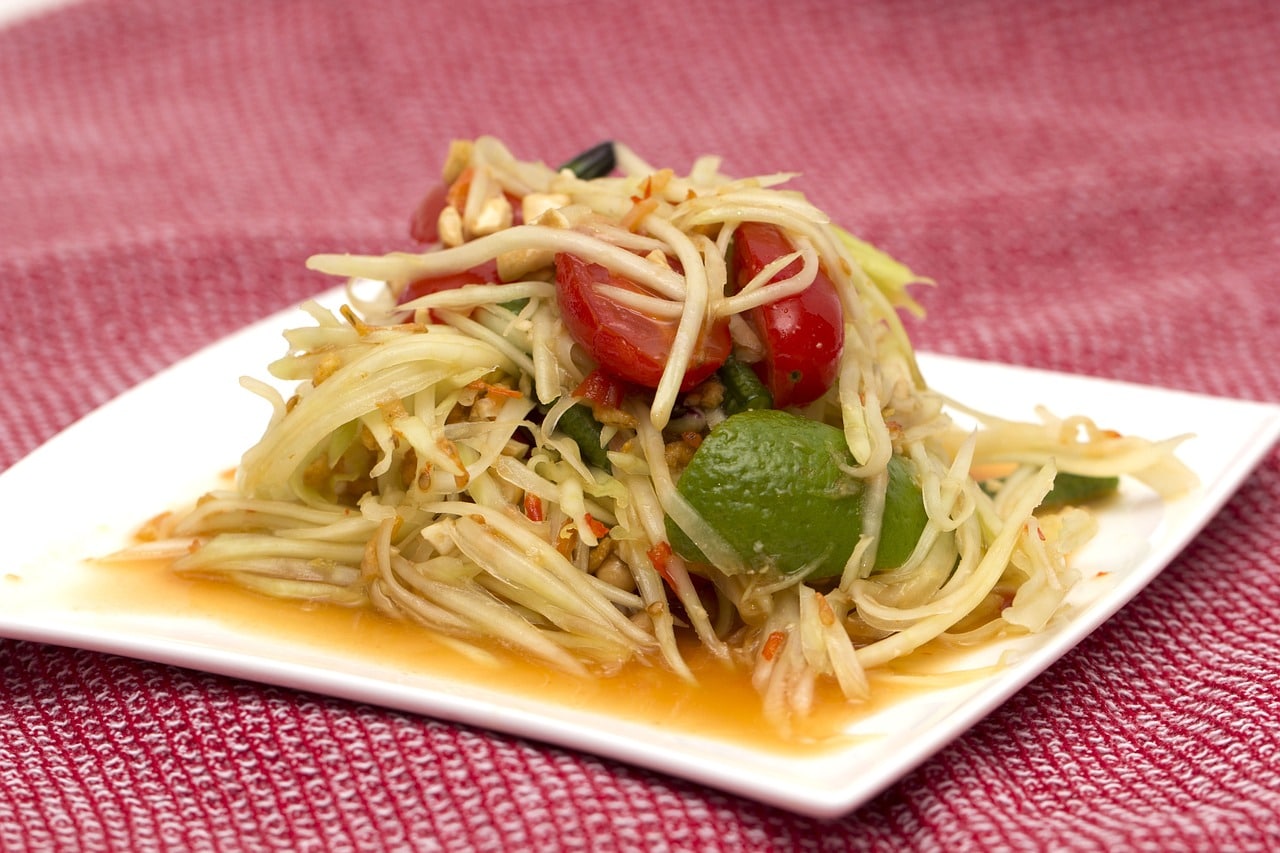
(722,705)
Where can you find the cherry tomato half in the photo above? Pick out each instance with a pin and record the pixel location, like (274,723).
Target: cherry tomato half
(486,273)
(627,343)
(802,334)
(423,223)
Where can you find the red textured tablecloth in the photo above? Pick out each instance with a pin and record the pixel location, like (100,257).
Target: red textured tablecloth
(1096,186)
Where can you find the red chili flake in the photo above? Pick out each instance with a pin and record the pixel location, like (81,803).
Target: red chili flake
(660,556)
(599,529)
(825,614)
(647,186)
(772,645)
(533,507)
(494,390)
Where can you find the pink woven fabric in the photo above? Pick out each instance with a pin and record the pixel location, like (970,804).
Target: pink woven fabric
(1096,186)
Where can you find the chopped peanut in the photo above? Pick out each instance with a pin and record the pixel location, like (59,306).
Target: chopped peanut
(678,453)
(449,226)
(495,215)
(519,263)
(600,553)
(658,258)
(613,416)
(328,366)
(615,573)
(708,395)
(534,205)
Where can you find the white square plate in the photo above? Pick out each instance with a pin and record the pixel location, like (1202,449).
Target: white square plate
(168,440)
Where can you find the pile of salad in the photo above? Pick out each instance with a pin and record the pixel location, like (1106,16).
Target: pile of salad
(606,413)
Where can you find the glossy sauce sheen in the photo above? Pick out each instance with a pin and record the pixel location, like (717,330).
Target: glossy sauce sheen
(721,706)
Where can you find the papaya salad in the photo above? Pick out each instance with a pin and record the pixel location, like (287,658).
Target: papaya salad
(610,412)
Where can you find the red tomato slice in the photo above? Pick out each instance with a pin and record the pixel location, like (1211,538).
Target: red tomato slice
(802,334)
(486,273)
(422,224)
(628,343)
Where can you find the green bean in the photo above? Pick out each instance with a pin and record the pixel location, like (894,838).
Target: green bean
(743,390)
(579,424)
(595,162)
(1078,489)
(1068,489)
